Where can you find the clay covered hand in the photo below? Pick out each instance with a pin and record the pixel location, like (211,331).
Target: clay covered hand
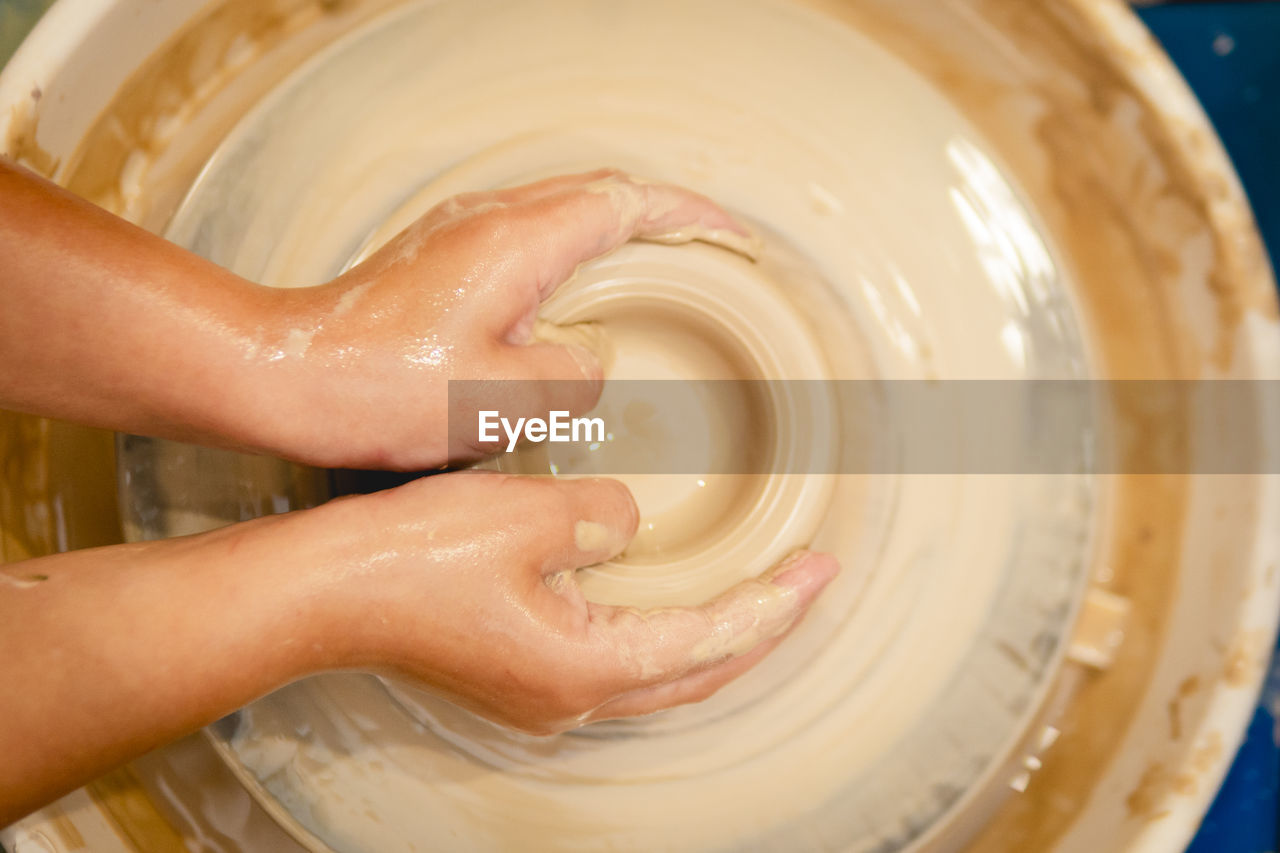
(455,296)
(108,325)
(468,587)
(460,581)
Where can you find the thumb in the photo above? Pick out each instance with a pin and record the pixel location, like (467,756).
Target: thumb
(538,379)
(562,369)
(543,240)
(553,377)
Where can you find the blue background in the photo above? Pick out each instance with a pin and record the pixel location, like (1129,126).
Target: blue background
(1230,53)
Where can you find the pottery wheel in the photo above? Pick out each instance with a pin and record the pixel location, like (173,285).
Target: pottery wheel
(895,248)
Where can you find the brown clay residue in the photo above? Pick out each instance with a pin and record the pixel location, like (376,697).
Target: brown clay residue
(132,814)
(20,143)
(26,514)
(1122,190)
(1149,800)
(1146,800)
(1186,690)
(1197,178)
(57,488)
(1244,659)
(1153,183)
(225,48)
(1205,758)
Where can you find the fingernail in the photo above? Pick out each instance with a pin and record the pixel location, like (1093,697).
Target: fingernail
(806,572)
(758,612)
(774,601)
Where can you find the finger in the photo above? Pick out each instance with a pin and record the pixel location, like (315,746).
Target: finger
(685,690)
(564,376)
(552,235)
(678,228)
(549,186)
(651,648)
(597,519)
(540,382)
(601,215)
(605,517)
(462,205)
(471,201)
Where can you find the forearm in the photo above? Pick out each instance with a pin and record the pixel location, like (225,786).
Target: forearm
(110,652)
(106,324)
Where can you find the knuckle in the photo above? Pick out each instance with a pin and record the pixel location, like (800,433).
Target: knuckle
(553,497)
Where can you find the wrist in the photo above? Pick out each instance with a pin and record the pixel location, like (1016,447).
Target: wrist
(324,585)
(262,404)
(367,563)
(298,385)
(265,579)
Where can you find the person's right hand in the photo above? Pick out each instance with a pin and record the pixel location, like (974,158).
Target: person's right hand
(464,583)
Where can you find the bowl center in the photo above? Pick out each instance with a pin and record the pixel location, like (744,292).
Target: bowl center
(700,343)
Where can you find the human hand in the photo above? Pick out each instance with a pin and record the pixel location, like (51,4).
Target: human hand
(110,326)
(464,582)
(367,358)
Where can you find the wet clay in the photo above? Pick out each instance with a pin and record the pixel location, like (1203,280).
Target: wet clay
(1102,212)
(1093,202)
(840,286)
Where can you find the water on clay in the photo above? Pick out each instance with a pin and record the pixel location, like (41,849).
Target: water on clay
(894,248)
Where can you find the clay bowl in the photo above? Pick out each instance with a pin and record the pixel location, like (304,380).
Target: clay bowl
(1093,228)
